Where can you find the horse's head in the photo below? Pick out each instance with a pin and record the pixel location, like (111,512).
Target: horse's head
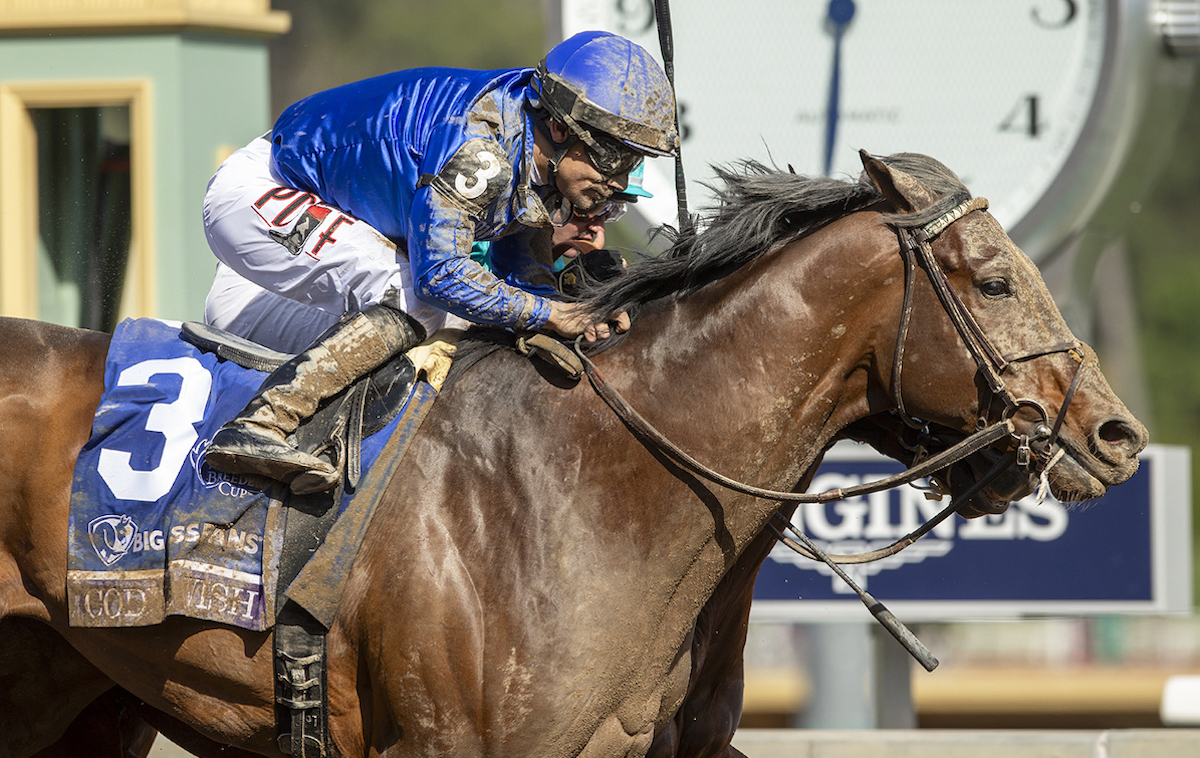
(994,346)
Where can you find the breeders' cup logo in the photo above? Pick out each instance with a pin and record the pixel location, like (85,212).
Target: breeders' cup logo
(861,524)
(232,485)
(112,536)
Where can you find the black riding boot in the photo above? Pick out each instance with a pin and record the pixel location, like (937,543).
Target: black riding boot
(256,442)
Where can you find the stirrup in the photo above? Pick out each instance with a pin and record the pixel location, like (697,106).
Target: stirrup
(237,450)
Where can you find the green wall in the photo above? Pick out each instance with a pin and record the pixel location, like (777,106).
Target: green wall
(208,92)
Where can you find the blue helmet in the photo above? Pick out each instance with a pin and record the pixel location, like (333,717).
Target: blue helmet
(600,81)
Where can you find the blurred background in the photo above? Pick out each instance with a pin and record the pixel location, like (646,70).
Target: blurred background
(112,122)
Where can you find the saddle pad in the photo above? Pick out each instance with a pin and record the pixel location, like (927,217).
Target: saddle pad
(153,530)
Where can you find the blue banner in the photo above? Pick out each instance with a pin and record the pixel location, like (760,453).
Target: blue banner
(1036,558)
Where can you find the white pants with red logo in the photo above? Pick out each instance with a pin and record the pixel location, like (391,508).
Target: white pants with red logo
(290,265)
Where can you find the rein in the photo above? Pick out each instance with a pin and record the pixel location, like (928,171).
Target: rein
(643,428)
(916,249)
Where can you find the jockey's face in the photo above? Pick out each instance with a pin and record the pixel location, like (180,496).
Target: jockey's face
(579,181)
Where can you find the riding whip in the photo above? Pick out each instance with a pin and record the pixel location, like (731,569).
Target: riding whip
(666,42)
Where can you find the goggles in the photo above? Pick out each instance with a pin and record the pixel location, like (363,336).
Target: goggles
(563,213)
(609,155)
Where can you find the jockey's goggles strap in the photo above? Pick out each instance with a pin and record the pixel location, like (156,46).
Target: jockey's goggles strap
(560,148)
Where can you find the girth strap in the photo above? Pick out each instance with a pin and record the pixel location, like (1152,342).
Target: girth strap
(301,683)
(301,686)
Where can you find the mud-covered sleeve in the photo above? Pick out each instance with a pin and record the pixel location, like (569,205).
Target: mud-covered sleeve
(441,231)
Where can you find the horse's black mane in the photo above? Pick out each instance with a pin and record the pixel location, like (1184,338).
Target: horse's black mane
(758,209)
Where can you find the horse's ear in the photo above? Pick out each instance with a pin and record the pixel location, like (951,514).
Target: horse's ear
(905,193)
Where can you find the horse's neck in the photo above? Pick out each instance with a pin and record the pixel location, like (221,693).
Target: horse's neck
(752,376)
(758,372)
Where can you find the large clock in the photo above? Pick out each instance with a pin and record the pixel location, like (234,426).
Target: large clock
(1034,103)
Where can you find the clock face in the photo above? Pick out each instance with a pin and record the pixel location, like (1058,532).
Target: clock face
(999,91)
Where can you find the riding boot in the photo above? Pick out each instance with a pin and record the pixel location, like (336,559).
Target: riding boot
(256,441)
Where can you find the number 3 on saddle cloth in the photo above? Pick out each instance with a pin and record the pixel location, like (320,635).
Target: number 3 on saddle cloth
(153,530)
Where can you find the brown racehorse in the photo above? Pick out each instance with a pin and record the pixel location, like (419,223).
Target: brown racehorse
(539,581)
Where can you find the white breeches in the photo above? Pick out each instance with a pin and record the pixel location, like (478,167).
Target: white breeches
(290,265)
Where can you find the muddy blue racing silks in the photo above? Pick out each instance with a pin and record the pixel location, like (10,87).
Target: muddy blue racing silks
(434,159)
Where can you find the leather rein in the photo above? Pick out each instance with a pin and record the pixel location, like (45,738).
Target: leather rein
(1033,452)
(915,248)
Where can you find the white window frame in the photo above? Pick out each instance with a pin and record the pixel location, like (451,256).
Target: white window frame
(19,185)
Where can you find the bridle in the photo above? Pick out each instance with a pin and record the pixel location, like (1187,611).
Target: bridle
(916,249)
(1034,452)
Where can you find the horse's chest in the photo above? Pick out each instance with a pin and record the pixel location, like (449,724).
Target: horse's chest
(652,694)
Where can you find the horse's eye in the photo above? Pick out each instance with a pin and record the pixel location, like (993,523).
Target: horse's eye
(994,288)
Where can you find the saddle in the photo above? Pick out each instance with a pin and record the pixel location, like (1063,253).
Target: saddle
(334,433)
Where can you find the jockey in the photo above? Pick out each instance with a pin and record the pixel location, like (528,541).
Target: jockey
(361,205)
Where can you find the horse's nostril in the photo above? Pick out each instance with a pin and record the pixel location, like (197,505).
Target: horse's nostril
(1114,432)
(1120,433)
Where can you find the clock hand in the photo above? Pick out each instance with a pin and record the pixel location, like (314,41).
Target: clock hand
(837,19)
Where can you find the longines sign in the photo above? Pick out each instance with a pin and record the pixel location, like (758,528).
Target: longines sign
(1128,552)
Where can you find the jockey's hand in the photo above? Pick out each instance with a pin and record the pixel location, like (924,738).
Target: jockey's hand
(570,320)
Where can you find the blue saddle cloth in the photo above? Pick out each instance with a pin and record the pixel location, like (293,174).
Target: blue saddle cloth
(153,531)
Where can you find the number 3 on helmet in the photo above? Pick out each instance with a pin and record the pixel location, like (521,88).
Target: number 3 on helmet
(602,82)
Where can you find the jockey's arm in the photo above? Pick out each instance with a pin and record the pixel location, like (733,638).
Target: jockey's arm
(439,246)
